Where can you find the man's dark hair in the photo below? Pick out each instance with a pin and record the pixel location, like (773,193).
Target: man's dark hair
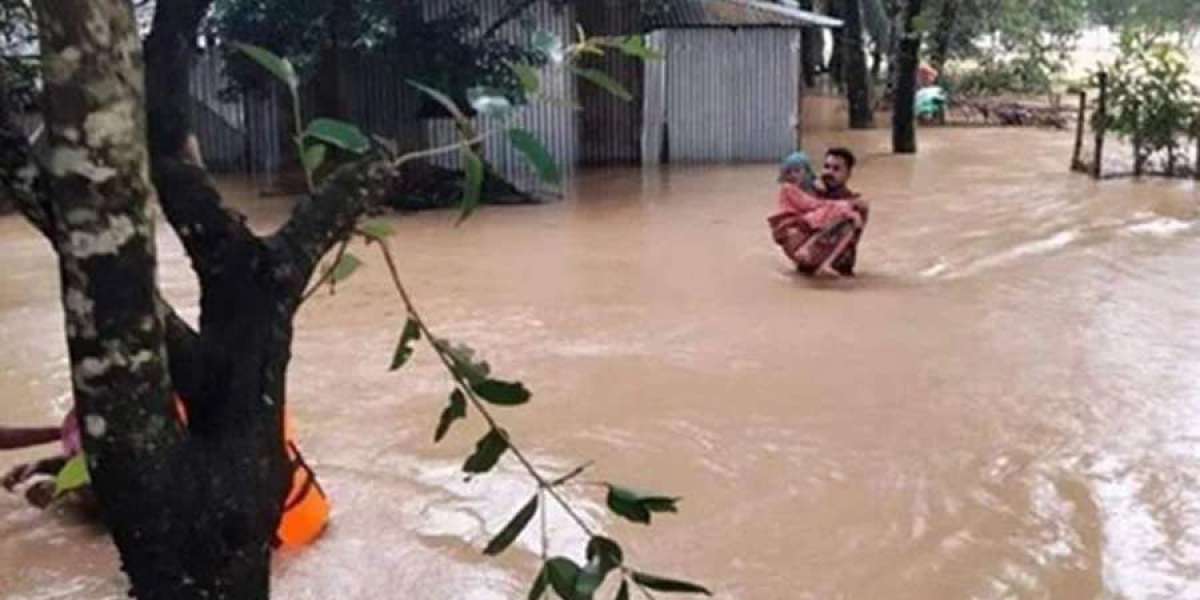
(845,154)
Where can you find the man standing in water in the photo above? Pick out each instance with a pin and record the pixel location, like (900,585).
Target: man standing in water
(835,178)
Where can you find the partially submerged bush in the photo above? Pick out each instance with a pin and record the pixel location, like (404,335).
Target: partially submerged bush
(1152,98)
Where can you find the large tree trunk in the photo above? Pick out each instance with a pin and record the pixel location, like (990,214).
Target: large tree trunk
(904,130)
(193,509)
(837,56)
(895,27)
(192,506)
(858,86)
(332,100)
(944,34)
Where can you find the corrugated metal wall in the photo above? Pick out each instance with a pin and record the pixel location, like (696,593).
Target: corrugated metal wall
(730,95)
(241,135)
(721,95)
(220,125)
(555,124)
(654,103)
(611,127)
(382,103)
(247,135)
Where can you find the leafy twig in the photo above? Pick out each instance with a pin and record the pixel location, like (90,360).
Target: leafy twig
(465,387)
(327,276)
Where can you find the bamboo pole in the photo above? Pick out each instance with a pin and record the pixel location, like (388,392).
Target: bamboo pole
(1101,125)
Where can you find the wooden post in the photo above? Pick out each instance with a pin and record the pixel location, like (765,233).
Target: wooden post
(1077,156)
(1196,171)
(1101,125)
(1137,140)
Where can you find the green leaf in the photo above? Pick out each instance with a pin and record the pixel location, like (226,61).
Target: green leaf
(281,68)
(590,578)
(73,476)
(631,45)
(638,506)
(603,555)
(338,133)
(404,348)
(607,551)
(345,267)
(378,229)
(530,81)
(627,507)
(660,504)
(489,102)
(462,358)
(488,451)
(539,585)
(457,410)
(442,99)
(662,584)
(509,534)
(635,45)
(623,593)
(563,573)
(536,153)
(603,80)
(314,157)
(502,393)
(473,186)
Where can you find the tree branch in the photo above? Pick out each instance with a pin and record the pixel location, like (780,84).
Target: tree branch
(183,352)
(193,207)
(320,221)
(188,197)
(168,52)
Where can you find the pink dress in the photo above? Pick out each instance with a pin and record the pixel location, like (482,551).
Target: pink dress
(818,213)
(803,216)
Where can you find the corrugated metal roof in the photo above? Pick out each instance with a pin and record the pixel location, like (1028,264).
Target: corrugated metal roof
(686,14)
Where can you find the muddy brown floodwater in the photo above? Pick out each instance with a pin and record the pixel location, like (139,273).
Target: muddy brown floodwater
(1006,404)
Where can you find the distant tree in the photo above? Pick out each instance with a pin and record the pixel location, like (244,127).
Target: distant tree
(904,129)
(854,57)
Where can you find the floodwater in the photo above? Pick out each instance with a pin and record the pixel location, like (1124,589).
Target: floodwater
(1004,405)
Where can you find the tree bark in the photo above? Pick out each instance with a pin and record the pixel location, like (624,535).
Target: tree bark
(858,85)
(944,34)
(332,99)
(904,131)
(192,510)
(895,27)
(809,59)
(168,59)
(837,57)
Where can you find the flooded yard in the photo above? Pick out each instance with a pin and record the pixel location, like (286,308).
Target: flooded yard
(1005,404)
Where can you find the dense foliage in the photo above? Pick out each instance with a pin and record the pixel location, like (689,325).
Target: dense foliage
(1152,98)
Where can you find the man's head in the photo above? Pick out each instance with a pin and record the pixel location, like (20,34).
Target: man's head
(839,166)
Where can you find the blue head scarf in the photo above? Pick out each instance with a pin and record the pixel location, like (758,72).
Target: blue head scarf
(799,160)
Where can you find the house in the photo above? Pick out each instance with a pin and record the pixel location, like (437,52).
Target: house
(729,88)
